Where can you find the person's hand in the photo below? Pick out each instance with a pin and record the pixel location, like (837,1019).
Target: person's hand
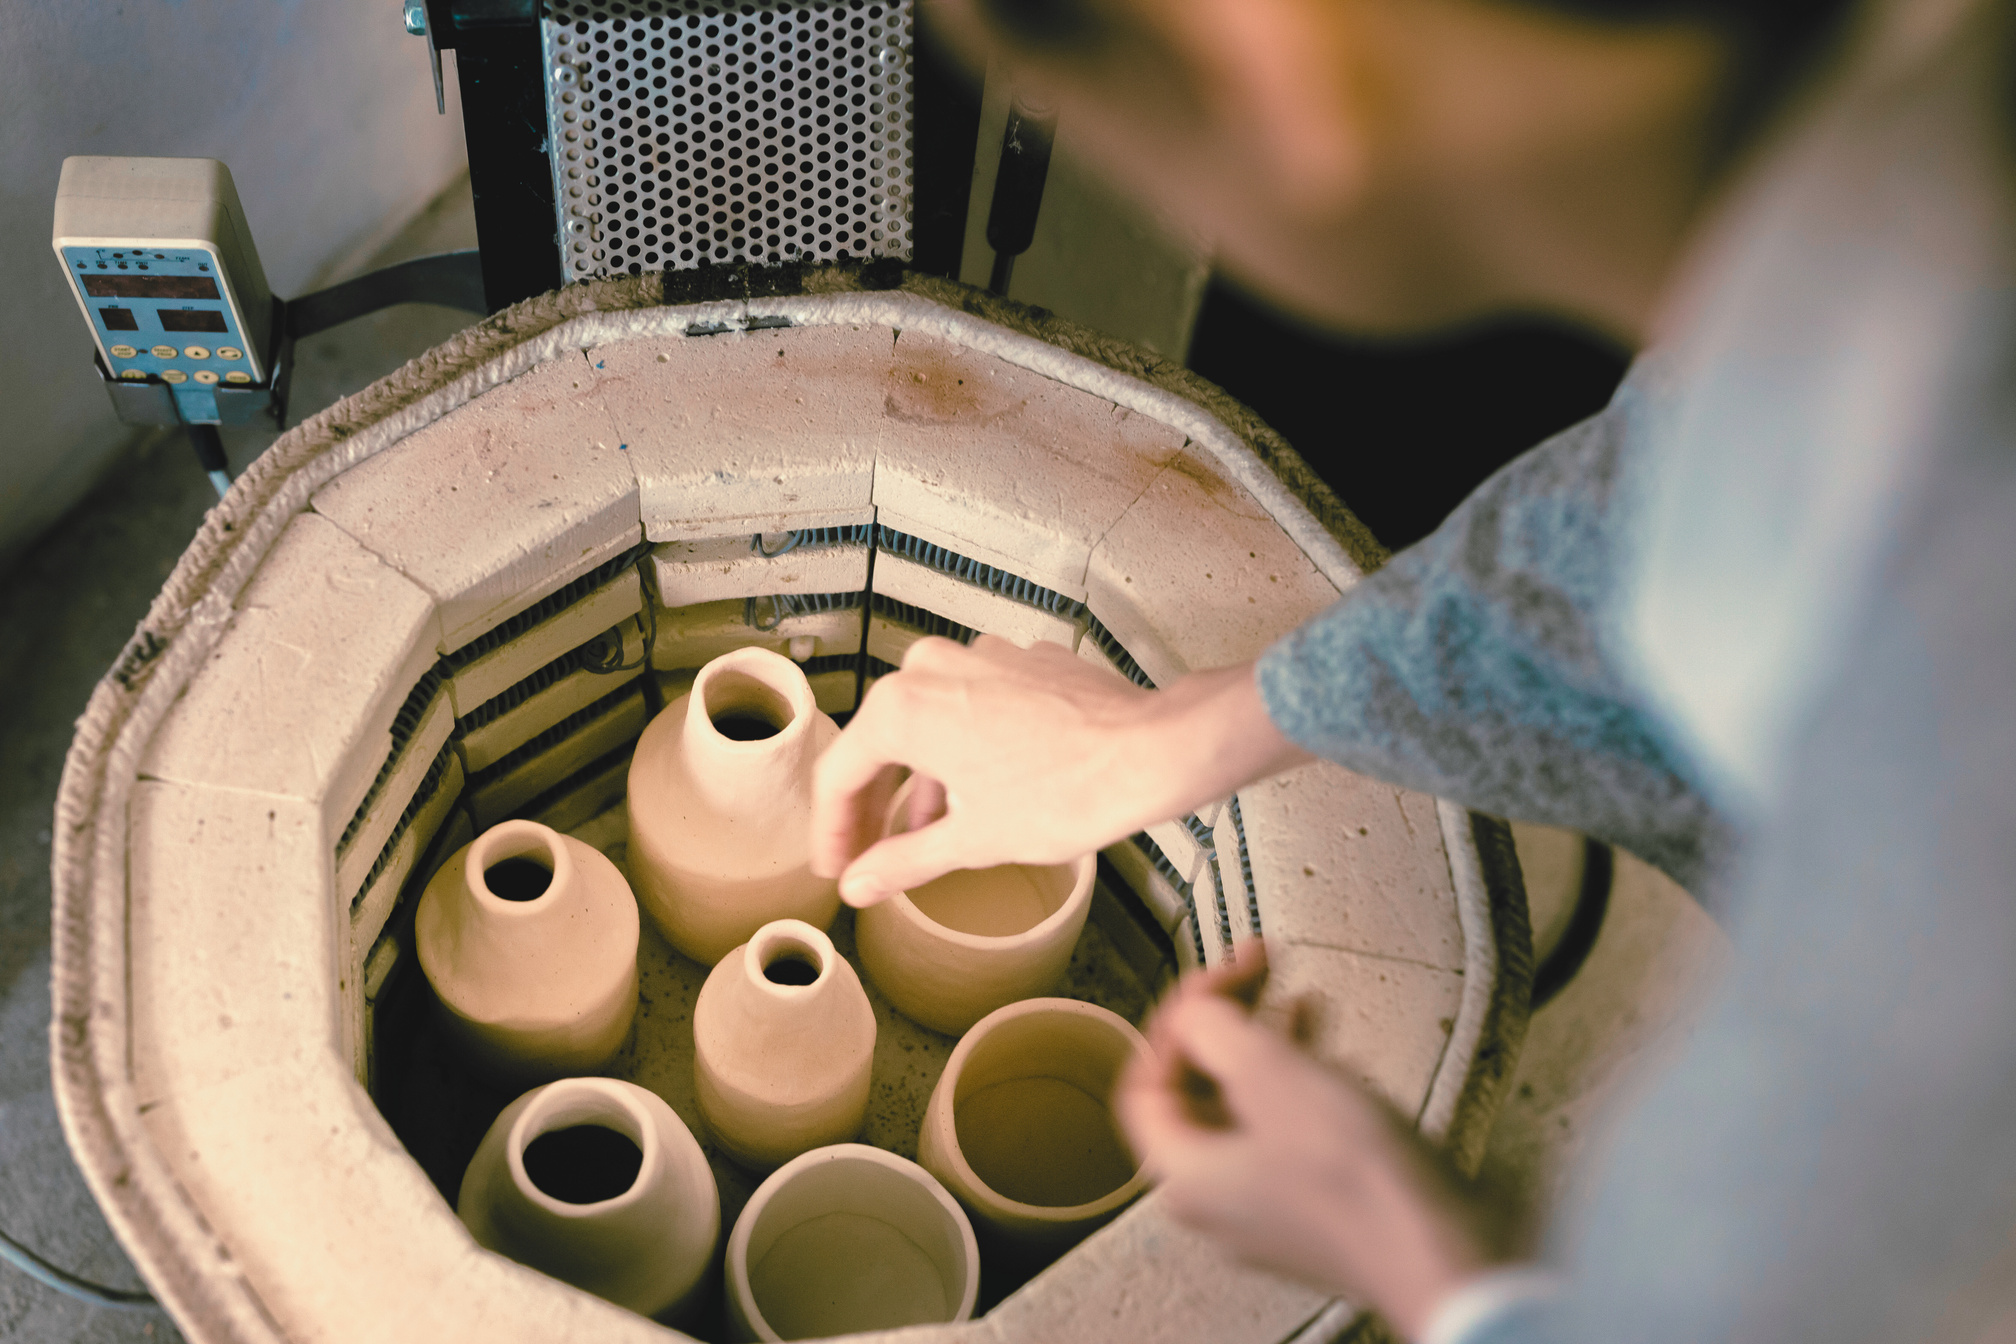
(1294,1167)
(1024,756)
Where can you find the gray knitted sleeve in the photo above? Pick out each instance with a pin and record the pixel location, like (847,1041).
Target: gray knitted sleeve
(1478,666)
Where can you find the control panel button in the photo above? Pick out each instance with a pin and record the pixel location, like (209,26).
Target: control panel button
(174,376)
(205,377)
(123,352)
(133,373)
(164,352)
(229,352)
(237,376)
(197,351)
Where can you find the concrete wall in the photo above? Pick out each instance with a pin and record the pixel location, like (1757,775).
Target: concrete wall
(324,110)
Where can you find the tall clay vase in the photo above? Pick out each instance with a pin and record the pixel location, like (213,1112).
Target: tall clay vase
(845,1239)
(721,806)
(1020,1126)
(950,952)
(783,1042)
(529,938)
(596,1182)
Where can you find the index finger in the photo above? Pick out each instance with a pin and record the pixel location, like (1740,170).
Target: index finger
(855,778)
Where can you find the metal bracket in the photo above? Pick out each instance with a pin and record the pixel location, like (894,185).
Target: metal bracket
(450,279)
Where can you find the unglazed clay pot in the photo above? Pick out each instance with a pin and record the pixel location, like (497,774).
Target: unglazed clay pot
(721,806)
(846,1239)
(950,952)
(529,938)
(1020,1126)
(783,1041)
(596,1182)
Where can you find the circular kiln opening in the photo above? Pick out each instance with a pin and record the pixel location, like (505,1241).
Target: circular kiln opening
(556,750)
(475,629)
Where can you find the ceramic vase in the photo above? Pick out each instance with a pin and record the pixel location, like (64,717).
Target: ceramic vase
(596,1182)
(721,806)
(846,1239)
(1020,1126)
(950,952)
(529,938)
(783,1042)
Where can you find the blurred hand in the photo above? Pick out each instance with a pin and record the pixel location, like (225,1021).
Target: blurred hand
(1294,1167)
(1025,756)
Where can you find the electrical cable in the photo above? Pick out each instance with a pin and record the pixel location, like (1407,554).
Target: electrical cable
(1592,902)
(70,1285)
(209,446)
(1026,141)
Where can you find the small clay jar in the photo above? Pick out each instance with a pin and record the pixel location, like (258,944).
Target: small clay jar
(721,806)
(949,952)
(596,1182)
(847,1239)
(783,1043)
(529,938)
(1020,1126)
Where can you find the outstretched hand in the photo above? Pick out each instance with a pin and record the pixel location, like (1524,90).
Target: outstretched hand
(1024,756)
(1294,1167)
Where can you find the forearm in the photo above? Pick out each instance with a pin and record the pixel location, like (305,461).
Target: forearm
(1025,756)
(1484,665)
(1203,737)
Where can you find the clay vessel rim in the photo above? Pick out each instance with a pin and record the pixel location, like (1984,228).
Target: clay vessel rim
(737,1252)
(483,853)
(550,1098)
(1081,894)
(682,772)
(956,1154)
(761,666)
(803,937)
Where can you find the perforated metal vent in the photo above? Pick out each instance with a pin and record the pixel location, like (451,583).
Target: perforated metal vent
(686,134)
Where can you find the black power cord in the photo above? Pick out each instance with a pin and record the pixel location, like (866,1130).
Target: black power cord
(1018,187)
(1592,902)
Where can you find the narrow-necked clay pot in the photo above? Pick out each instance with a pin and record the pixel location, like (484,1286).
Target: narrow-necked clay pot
(529,938)
(596,1182)
(721,806)
(847,1239)
(1020,1126)
(783,1042)
(950,952)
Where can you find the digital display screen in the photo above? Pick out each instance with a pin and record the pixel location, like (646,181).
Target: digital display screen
(130,286)
(193,319)
(118,319)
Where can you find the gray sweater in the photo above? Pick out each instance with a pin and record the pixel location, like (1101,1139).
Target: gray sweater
(1757,623)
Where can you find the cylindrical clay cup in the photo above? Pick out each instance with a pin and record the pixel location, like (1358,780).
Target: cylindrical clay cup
(596,1182)
(1020,1126)
(953,950)
(846,1239)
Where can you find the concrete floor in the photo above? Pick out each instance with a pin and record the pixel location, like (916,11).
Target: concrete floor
(66,610)
(68,607)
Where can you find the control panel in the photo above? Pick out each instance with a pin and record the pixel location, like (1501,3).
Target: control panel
(161,261)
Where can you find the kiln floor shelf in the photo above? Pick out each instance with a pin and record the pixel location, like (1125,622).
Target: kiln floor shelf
(440,1110)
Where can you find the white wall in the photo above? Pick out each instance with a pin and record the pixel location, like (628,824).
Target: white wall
(324,110)
(1098,257)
